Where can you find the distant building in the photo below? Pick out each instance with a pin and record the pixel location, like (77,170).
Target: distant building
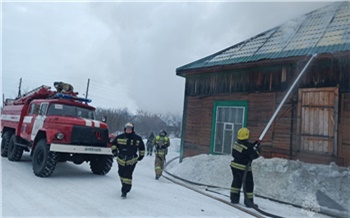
(244,84)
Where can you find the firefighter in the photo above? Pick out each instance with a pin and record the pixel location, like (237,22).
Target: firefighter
(161,142)
(149,144)
(126,146)
(243,153)
(63,87)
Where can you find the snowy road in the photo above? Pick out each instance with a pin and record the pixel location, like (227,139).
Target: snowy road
(73,190)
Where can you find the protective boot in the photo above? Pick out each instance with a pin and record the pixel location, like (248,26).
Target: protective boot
(234,198)
(247,204)
(123,195)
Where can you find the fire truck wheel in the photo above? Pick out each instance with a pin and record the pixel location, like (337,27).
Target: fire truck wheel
(14,152)
(44,161)
(101,164)
(5,143)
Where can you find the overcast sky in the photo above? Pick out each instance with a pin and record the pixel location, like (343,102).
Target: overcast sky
(129,50)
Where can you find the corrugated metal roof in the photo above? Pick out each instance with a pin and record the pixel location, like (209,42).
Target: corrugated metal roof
(325,30)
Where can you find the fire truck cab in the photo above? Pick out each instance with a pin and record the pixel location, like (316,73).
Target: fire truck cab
(54,127)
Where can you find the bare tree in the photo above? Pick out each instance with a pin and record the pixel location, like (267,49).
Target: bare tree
(144,122)
(116,118)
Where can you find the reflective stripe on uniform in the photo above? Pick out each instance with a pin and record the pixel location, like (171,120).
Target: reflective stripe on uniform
(126,180)
(235,190)
(161,152)
(122,141)
(127,162)
(239,147)
(239,166)
(250,195)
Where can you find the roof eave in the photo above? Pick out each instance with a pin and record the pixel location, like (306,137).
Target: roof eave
(260,63)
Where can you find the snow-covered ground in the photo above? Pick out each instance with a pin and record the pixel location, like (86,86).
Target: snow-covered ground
(74,191)
(313,187)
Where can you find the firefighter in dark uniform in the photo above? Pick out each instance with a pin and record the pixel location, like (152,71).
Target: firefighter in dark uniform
(161,142)
(149,144)
(243,153)
(126,146)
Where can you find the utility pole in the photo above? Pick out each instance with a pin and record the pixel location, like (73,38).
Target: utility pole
(19,88)
(87,88)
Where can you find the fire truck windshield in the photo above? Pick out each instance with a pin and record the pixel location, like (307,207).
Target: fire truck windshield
(71,111)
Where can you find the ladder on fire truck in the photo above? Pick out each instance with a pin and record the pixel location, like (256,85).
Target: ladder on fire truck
(39,92)
(33,91)
(44,92)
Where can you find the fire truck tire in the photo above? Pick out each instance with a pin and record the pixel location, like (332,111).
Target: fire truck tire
(101,164)
(14,152)
(44,161)
(5,143)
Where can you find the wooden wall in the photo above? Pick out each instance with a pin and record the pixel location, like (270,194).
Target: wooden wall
(199,115)
(344,128)
(263,89)
(281,138)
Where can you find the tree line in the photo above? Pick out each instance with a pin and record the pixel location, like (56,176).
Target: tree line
(144,122)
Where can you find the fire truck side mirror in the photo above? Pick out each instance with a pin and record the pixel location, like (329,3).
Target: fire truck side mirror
(104,119)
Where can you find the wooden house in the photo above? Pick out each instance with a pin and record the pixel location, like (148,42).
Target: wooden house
(244,84)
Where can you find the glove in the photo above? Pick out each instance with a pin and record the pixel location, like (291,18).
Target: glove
(140,158)
(257,147)
(114,150)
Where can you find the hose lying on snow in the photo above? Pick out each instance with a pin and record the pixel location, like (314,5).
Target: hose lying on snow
(211,186)
(257,195)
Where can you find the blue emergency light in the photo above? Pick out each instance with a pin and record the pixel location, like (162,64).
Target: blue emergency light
(65,96)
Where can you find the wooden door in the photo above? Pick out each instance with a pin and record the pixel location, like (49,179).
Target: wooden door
(318,108)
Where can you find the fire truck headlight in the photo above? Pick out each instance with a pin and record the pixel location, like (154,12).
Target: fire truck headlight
(59,136)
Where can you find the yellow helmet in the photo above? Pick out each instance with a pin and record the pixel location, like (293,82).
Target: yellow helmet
(243,133)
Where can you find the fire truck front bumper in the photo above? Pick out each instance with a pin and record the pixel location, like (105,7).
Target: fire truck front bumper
(80,149)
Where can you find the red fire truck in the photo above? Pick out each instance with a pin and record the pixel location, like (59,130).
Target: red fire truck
(54,127)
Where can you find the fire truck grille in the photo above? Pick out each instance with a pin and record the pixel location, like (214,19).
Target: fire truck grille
(83,135)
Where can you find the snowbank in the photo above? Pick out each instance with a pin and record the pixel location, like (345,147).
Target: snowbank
(206,169)
(324,187)
(320,187)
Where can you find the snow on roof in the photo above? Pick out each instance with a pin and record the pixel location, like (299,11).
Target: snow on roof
(323,30)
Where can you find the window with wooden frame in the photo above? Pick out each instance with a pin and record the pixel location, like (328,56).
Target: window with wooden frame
(228,118)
